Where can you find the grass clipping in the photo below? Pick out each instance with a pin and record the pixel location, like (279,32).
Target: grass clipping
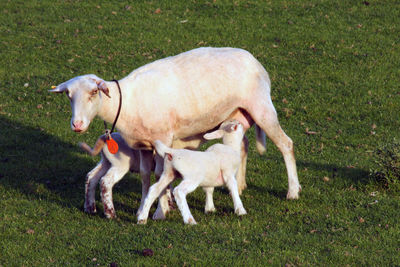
(387,170)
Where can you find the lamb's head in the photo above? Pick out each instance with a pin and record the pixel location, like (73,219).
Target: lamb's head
(231,132)
(85,98)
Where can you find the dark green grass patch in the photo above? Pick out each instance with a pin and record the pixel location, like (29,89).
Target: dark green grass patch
(334,67)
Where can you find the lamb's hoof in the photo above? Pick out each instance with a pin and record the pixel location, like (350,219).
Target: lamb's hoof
(240,211)
(90,208)
(191,221)
(294,193)
(159,215)
(142,221)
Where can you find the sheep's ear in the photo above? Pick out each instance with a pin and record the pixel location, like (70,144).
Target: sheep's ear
(214,135)
(101,85)
(58,89)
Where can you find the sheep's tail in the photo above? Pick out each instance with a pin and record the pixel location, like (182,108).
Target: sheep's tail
(97,147)
(260,140)
(161,148)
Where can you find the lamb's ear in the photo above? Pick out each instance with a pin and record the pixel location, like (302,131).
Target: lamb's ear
(230,127)
(58,89)
(214,135)
(101,85)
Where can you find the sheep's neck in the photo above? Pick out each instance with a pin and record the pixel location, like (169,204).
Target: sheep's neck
(109,106)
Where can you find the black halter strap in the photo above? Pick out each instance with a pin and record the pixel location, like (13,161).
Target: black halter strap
(119,110)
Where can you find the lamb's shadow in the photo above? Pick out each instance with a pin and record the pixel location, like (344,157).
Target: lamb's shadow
(43,167)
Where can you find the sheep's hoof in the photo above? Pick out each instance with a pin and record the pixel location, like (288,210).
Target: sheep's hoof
(143,221)
(294,194)
(240,211)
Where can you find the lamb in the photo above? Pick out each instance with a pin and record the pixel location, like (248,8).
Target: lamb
(217,166)
(109,171)
(192,93)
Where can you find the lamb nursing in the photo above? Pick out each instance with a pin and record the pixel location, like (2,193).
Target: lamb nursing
(216,166)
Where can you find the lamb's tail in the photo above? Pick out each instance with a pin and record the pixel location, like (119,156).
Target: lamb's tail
(97,147)
(260,140)
(161,148)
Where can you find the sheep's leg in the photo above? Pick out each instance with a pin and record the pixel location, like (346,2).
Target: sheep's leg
(260,140)
(163,205)
(264,114)
(92,179)
(146,163)
(187,186)
(113,176)
(209,207)
(241,175)
(166,178)
(232,186)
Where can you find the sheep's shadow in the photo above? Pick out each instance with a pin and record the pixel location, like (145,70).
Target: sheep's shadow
(349,174)
(43,167)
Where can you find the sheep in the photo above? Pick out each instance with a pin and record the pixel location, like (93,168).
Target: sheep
(216,166)
(179,98)
(110,170)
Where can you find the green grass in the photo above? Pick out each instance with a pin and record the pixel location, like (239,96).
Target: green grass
(335,70)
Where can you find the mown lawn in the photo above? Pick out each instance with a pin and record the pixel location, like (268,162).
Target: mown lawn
(335,72)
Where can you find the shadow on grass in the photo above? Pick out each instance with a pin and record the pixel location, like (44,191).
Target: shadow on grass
(350,173)
(43,167)
(347,174)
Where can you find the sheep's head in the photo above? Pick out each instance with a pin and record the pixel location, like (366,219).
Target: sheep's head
(85,98)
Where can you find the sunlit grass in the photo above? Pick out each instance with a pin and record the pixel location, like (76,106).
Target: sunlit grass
(334,67)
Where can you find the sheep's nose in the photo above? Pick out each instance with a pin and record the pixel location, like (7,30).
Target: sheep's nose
(77,126)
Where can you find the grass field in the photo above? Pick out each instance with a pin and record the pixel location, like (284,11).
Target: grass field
(335,72)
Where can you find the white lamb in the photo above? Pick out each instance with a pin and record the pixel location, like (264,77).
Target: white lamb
(110,170)
(216,166)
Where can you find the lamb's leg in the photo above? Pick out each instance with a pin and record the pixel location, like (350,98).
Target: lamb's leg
(187,186)
(166,178)
(232,186)
(241,175)
(209,207)
(92,180)
(146,163)
(113,176)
